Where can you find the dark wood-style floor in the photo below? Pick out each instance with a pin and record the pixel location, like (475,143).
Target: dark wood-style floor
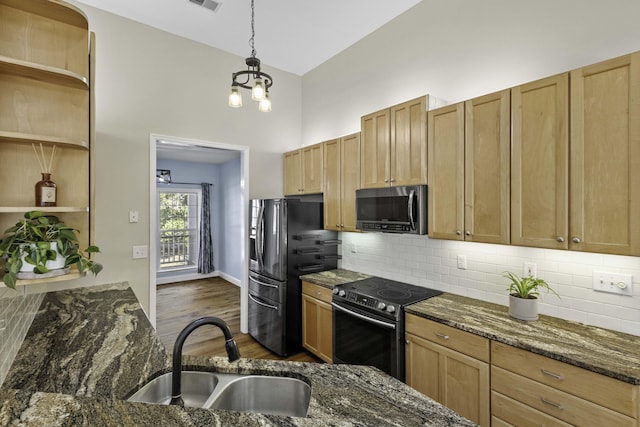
(180,303)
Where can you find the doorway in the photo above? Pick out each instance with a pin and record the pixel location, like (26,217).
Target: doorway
(228,166)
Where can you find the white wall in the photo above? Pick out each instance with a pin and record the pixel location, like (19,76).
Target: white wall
(230,252)
(149,81)
(457,50)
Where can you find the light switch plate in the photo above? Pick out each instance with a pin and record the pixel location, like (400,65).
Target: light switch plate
(615,283)
(462,262)
(140,252)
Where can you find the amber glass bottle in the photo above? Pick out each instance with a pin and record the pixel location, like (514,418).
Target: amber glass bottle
(46,191)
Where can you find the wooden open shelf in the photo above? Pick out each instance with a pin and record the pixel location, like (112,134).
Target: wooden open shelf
(29,138)
(42,72)
(56,209)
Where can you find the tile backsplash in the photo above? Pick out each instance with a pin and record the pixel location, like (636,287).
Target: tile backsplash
(17,310)
(433,263)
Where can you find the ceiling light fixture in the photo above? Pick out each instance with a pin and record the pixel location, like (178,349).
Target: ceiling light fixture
(261,81)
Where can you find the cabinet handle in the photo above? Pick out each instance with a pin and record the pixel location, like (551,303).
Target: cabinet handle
(392,180)
(550,403)
(386,180)
(458,233)
(341,225)
(575,240)
(560,239)
(443,336)
(552,375)
(467,233)
(406,341)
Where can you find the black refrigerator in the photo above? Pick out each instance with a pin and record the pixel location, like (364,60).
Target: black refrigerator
(286,240)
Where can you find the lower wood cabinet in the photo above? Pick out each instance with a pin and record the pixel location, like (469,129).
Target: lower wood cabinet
(317,322)
(450,366)
(530,389)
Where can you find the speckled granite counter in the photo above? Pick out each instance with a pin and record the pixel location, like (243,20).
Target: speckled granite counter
(88,348)
(331,278)
(607,352)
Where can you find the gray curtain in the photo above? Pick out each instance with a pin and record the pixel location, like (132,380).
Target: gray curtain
(205,258)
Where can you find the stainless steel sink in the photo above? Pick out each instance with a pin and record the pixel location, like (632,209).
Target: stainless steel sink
(232,392)
(196,389)
(264,395)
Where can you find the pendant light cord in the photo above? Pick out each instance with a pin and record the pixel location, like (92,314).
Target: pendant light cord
(253,31)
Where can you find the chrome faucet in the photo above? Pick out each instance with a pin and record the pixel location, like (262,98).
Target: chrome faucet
(230,345)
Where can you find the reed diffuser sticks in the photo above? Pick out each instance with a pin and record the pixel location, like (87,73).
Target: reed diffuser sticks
(42,161)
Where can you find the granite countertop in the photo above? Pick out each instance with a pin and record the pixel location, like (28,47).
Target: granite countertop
(607,352)
(331,278)
(90,348)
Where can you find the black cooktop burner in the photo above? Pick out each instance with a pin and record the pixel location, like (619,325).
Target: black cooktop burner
(390,291)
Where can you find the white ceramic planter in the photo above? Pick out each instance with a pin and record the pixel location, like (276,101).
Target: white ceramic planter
(523,308)
(56,264)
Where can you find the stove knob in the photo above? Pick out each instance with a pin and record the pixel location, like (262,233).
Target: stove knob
(335,291)
(381,306)
(391,309)
(341,293)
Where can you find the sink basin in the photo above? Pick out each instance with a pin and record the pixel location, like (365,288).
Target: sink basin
(264,395)
(232,392)
(196,389)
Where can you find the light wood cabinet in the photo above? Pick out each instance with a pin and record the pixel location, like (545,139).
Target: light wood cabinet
(469,170)
(341,179)
(605,157)
(394,145)
(590,157)
(46,66)
(317,321)
(450,366)
(303,170)
(539,174)
(557,391)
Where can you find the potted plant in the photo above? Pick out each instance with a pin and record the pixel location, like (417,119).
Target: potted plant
(38,244)
(523,295)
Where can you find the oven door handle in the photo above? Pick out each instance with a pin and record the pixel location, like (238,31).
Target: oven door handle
(361,317)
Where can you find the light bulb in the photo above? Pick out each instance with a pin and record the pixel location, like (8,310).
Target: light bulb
(235,97)
(258,90)
(265,104)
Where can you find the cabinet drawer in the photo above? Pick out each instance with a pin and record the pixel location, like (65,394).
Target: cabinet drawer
(559,404)
(597,388)
(509,412)
(316,291)
(455,339)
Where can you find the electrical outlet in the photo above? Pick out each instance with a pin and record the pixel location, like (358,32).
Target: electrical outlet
(462,262)
(615,283)
(133,216)
(530,269)
(139,252)
(354,249)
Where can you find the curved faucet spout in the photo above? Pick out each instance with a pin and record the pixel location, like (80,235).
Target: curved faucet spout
(230,346)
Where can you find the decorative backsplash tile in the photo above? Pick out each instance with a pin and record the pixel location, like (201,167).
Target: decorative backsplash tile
(17,310)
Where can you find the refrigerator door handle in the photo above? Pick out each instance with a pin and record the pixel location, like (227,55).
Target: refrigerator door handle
(272,307)
(253,279)
(260,237)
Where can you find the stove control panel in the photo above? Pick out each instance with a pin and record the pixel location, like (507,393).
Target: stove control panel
(364,300)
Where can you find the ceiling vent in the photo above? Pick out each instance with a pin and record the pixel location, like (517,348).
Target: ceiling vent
(209,4)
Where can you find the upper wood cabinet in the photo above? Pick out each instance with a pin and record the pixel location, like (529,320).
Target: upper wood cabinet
(469,149)
(591,161)
(341,179)
(539,174)
(303,170)
(394,145)
(605,157)
(46,67)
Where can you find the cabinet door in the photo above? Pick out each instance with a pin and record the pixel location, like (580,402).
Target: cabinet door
(325,331)
(350,179)
(312,164)
(408,148)
(605,157)
(292,172)
(539,175)
(375,156)
(457,381)
(310,323)
(487,168)
(332,185)
(445,131)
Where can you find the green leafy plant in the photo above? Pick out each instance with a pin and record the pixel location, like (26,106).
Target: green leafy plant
(527,287)
(30,240)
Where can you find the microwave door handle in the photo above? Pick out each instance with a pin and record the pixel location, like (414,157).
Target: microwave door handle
(412,221)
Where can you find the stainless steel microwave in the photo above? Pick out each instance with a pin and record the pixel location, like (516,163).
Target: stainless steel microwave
(392,209)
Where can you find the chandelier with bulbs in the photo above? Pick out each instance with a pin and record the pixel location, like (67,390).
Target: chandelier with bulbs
(242,79)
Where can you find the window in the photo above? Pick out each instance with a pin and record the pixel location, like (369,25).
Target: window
(179,228)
